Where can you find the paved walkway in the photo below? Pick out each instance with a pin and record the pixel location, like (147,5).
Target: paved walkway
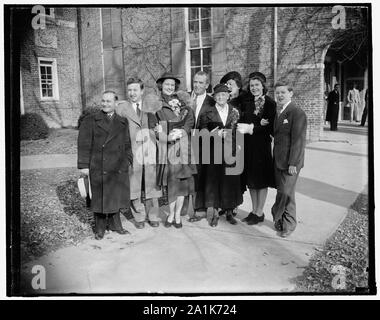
(201,259)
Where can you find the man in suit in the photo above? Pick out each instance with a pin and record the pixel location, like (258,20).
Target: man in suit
(200,101)
(104,154)
(333,108)
(288,153)
(143,173)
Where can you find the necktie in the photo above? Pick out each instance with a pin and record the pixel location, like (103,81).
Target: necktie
(279,109)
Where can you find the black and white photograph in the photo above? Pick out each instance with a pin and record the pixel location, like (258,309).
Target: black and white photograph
(192,149)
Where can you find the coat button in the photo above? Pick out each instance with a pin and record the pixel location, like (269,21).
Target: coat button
(104,172)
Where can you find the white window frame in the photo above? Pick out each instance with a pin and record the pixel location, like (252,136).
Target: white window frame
(188,49)
(53,65)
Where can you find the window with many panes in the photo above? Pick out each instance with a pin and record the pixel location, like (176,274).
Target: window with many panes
(48,79)
(199,40)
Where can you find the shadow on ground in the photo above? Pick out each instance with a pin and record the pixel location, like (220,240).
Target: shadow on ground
(73,204)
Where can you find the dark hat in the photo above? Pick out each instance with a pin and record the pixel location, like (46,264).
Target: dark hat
(258,75)
(234,75)
(220,88)
(168,75)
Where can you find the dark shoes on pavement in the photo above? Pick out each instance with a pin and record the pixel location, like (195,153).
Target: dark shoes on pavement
(255,219)
(177,225)
(168,224)
(230,217)
(100,235)
(122,231)
(153,224)
(278,225)
(222,212)
(284,233)
(214,220)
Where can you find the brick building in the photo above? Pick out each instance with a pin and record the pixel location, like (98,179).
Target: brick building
(82,51)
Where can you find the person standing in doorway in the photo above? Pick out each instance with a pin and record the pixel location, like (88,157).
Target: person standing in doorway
(333,108)
(353,98)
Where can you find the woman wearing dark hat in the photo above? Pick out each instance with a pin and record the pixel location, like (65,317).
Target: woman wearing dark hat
(256,123)
(173,124)
(234,83)
(220,190)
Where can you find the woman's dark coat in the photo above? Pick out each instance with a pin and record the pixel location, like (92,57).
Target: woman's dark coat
(258,162)
(104,147)
(216,189)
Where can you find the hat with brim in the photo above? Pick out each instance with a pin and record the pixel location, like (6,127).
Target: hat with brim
(234,75)
(258,75)
(220,88)
(84,187)
(168,75)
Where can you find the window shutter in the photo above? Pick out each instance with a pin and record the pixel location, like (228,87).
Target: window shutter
(219,57)
(178,45)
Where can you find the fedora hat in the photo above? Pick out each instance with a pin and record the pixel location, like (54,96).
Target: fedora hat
(168,75)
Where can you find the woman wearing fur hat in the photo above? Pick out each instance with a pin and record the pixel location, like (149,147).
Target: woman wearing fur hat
(173,124)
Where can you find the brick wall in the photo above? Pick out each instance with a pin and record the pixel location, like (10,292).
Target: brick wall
(147,41)
(91,49)
(65,111)
(249,41)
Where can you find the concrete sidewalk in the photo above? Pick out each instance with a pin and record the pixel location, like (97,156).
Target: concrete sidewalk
(240,258)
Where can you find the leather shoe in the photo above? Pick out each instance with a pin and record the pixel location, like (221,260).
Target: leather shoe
(137,224)
(99,235)
(248,217)
(255,219)
(195,218)
(278,225)
(122,231)
(230,218)
(153,224)
(177,225)
(168,224)
(286,233)
(214,220)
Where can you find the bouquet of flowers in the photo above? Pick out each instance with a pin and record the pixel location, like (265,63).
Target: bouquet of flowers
(259,106)
(234,117)
(175,105)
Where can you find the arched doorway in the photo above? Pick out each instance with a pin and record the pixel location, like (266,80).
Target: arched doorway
(346,66)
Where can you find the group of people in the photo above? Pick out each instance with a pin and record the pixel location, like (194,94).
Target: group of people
(124,149)
(354,103)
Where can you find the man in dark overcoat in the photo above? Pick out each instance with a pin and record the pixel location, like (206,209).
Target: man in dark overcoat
(289,149)
(104,153)
(333,108)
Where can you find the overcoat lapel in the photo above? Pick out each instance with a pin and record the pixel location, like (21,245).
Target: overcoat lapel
(115,127)
(101,121)
(131,114)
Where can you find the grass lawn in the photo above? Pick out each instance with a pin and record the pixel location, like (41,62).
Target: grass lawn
(53,214)
(60,141)
(347,248)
